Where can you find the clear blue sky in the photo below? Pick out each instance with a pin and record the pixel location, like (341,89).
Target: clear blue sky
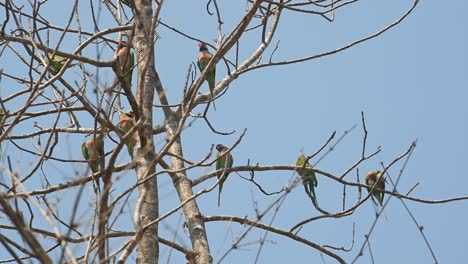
(410,82)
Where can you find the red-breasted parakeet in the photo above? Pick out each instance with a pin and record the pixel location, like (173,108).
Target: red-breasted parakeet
(125,124)
(308,177)
(93,153)
(126,61)
(376,178)
(224,160)
(204,56)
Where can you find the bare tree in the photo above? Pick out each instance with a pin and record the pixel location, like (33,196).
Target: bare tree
(59,99)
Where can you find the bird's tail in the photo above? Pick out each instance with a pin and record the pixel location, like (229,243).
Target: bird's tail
(219,194)
(98,186)
(130,147)
(312,192)
(212,86)
(376,207)
(385,215)
(220,190)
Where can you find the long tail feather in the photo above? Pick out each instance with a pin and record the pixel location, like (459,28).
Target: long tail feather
(312,191)
(219,194)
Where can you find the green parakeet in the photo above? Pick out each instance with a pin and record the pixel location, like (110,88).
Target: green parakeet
(224,160)
(93,153)
(125,124)
(308,177)
(57,62)
(376,178)
(204,56)
(126,61)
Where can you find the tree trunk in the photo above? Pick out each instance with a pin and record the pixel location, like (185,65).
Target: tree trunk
(147,205)
(194,220)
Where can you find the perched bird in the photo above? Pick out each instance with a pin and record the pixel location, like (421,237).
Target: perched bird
(93,153)
(125,124)
(126,60)
(308,177)
(376,178)
(204,56)
(57,62)
(224,160)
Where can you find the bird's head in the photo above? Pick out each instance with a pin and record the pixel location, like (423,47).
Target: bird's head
(202,46)
(121,44)
(219,147)
(301,160)
(373,173)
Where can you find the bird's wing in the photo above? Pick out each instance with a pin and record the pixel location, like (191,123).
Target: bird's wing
(85,152)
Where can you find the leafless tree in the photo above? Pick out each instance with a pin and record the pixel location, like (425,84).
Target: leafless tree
(51,216)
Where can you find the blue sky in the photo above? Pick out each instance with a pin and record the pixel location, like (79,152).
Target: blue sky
(410,83)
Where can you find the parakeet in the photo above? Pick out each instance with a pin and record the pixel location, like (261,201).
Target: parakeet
(126,57)
(93,153)
(204,56)
(308,177)
(125,124)
(57,62)
(127,2)
(225,161)
(376,178)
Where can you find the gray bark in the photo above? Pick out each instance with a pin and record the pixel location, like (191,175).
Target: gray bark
(147,206)
(194,219)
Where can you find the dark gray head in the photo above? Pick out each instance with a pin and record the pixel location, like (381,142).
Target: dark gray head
(220,147)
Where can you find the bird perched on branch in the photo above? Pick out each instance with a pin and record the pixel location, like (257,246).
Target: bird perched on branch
(376,178)
(57,62)
(224,160)
(204,57)
(126,124)
(126,61)
(308,177)
(93,153)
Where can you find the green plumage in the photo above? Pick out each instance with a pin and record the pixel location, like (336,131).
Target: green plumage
(126,124)
(129,69)
(57,62)
(224,160)
(211,75)
(93,153)
(308,177)
(126,61)
(376,178)
(204,57)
